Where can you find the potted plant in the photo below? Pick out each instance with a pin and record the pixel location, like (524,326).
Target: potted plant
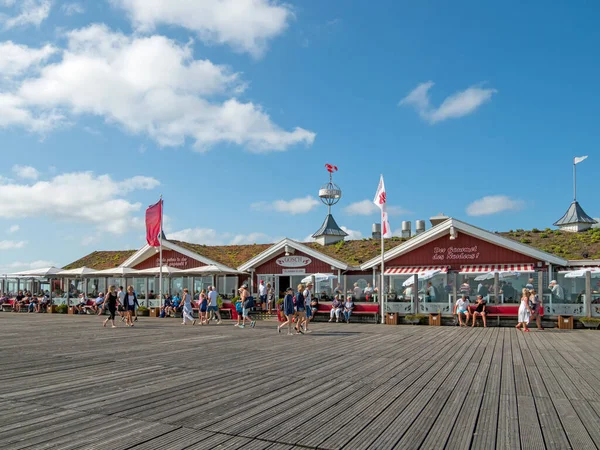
(142,311)
(590,322)
(62,309)
(414,319)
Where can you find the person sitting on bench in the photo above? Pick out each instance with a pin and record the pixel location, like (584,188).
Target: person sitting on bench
(336,308)
(80,305)
(461,308)
(98,305)
(479,311)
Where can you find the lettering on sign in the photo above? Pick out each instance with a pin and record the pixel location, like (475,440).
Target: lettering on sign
(179,262)
(293,261)
(455,253)
(293,271)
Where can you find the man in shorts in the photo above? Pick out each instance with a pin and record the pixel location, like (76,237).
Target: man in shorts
(262,293)
(213,308)
(244,294)
(461,308)
(308,306)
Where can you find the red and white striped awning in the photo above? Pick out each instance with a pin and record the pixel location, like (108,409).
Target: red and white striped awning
(413,270)
(498,268)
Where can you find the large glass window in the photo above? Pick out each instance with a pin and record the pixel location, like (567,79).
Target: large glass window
(201,283)
(139,285)
(176,286)
(509,289)
(356,284)
(227,286)
(573,290)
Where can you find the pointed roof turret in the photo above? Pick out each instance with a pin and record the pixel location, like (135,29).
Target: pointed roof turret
(329,228)
(575,219)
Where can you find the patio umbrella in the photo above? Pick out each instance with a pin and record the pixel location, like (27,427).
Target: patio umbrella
(425,275)
(80,271)
(501,275)
(319,277)
(45,272)
(118,271)
(166,270)
(208,270)
(581,272)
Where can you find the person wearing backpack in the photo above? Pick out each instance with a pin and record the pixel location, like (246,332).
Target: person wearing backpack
(247,303)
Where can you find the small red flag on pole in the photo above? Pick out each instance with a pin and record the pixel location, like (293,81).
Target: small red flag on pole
(154,224)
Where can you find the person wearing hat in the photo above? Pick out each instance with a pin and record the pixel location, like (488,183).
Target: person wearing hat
(288,311)
(558,293)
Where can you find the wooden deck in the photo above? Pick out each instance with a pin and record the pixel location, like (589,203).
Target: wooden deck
(68,383)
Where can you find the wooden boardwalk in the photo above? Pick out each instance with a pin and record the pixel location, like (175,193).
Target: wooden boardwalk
(68,383)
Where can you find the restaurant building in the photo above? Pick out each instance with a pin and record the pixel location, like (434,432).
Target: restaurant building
(424,272)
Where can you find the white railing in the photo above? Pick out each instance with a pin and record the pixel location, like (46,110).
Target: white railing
(399,307)
(429,307)
(567,309)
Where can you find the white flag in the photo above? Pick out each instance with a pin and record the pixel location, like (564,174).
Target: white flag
(578,159)
(380,201)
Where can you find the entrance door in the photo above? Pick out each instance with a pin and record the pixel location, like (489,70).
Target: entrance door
(283,282)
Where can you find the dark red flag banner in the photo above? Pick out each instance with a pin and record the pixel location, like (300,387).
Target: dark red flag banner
(153,223)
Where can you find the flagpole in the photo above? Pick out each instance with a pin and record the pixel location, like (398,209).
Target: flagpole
(574,181)
(160,234)
(381,293)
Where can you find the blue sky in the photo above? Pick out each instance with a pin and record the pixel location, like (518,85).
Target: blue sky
(230,109)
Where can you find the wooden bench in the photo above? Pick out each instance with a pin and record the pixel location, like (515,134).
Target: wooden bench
(361,311)
(498,311)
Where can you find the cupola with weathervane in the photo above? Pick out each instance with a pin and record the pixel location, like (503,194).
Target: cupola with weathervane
(330,194)
(575,219)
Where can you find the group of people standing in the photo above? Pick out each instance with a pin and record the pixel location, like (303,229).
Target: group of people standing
(298,309)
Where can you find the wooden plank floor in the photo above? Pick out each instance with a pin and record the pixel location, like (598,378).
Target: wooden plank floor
(68,383)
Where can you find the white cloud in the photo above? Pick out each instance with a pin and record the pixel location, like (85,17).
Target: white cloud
(368,208)
(294,206)
(494,204)
(11,245)
(71,9)
(80,197)
(27,172)
(88,240)
(148,85)
(17,58)
(19,266)
(13,229)
(245,25)
(210,236)
(457,105)
(596,225)
(352,234)
(31,12)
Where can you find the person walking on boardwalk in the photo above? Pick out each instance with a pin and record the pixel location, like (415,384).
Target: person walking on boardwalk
(187,307)
(270,298)
(300,309)
(524,311)
(121,308)
(110,302)
(203,308)
(213,307)
(307,305)
(131,302)
(536,308)
(246,305)
(288,311)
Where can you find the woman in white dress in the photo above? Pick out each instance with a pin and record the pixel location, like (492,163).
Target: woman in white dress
(524,311)
(187,307)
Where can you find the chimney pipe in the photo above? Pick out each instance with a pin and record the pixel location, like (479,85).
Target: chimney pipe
(406,229)
(376,231)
